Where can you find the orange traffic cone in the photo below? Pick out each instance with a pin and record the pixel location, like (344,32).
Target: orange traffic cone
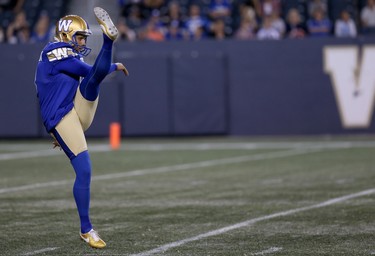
(115,135)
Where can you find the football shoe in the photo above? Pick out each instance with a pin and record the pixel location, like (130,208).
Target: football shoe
(106,23)
(93,239)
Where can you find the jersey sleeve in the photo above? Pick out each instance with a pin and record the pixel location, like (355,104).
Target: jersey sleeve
(65,60)
(76,67)
(73,66)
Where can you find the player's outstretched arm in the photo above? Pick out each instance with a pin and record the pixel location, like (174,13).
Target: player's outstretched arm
(121,67)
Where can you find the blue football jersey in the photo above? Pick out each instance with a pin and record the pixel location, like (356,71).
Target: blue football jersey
(57,78)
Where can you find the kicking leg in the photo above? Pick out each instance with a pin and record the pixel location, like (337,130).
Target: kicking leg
(86,109)
(87,95)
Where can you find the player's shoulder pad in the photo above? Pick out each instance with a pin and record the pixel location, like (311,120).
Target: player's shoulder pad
(58,51)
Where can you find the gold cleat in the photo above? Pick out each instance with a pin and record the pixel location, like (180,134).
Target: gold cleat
(106,23)
(93,239)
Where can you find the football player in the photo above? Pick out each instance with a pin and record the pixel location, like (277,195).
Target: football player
(68,92)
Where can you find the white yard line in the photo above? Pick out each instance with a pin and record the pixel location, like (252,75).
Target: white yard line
(40,251)
(44,153)
(171,168)
(249,222)
(28,154)
(247,145)
(186,146)
(35,186)
(268,251)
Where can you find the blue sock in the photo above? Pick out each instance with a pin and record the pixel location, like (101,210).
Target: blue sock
(89,86)
(81,189)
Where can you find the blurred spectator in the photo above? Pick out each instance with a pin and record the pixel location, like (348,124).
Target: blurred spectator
(134,20)
(125,33)
(218,29)
(154,4)
(173,15)
(245,31)
(154,30)
(255,5)
(151,5)
(134,9)
(278,23)
(318,25)
(195,20)
(294,26)
(42,30)
(270,6)
(199,34)
(368,17)
(174,31)
(248,24)
(173,20)
(267,31)
(14,6)
(250,6)
(219,9)
(18,30)
(317,4)
(345,26)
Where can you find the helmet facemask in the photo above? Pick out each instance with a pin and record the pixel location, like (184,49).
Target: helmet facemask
(81,49)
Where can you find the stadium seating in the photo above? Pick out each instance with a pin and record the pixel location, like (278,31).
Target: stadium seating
(58,8)
(336,6)
(54,8)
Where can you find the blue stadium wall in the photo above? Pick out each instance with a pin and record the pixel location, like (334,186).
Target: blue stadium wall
(195,88)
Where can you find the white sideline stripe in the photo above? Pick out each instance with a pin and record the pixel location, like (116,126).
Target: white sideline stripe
(43,153)
(28,154)
(268,251)
(202,164)
(41,251)
(172,168)
(35,186)
(216,232)
(187,146)
(247,145)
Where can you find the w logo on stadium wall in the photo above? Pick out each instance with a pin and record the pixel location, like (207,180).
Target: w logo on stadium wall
(64,25)
(353,79)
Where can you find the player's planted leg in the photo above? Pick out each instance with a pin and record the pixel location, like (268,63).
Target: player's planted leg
(81,192)
(70,137)
(81,189)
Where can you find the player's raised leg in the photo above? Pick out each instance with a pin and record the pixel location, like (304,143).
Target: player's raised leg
(86,99)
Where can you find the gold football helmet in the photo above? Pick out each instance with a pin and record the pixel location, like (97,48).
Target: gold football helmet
(68,27)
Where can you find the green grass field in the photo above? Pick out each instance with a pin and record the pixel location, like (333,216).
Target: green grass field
(194,196)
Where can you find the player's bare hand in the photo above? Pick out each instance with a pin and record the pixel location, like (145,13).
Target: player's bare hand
(121,67)
(56,144)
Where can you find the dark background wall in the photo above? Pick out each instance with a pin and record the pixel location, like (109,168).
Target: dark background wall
(194,88)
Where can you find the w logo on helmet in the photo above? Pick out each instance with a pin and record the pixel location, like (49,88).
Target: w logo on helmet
(64,25)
